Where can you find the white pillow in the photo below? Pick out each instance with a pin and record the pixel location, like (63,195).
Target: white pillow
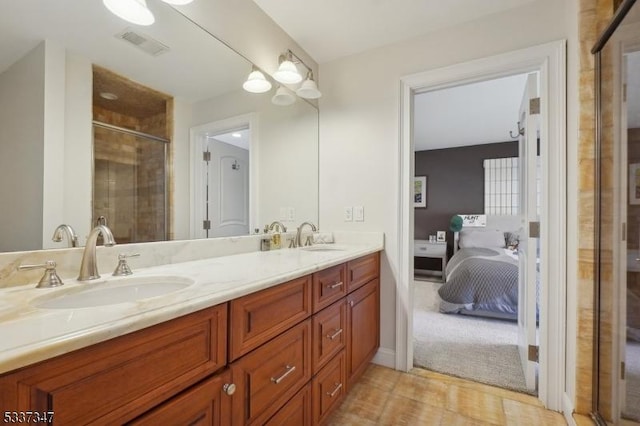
(492,238)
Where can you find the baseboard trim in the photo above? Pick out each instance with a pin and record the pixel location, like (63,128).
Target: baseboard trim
(568,409)
(385,357)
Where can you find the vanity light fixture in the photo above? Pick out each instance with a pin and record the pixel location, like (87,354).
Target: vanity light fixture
(283,97)
(134,11)
(256,82)
(287,72)
(309,88)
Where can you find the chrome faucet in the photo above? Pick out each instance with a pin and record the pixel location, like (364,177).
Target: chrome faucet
(65,229)
(89,265)
(298,242)
(281,227)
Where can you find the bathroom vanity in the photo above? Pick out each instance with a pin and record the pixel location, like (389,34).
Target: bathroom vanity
(280,339)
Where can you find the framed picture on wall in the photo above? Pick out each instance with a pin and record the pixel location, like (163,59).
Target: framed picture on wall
(420,191)
(441,236)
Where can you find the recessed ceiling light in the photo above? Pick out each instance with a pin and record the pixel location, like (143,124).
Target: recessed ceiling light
(108,95)
(236,135)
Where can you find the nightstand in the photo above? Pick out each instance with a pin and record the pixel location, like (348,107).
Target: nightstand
(436,250)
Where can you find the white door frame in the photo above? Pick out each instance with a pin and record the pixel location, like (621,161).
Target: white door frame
(221,126)
(550,61)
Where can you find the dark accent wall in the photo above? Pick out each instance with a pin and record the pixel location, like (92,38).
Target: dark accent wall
(455,184)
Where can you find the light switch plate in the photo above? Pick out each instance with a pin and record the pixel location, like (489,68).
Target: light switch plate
(348,214)
(291,214)
(358,213)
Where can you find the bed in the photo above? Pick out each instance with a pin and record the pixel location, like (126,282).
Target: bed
(482,275)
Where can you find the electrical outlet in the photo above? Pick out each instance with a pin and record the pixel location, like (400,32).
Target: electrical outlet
(348,214)
(291,214)
(358,213)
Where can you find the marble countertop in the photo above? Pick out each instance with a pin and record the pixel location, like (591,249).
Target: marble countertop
(30,334)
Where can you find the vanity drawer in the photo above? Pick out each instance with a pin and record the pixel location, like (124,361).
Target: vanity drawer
(205,404)
(329,285)
(362,270)
(258,317)
(117,380)
(329,335)
(269,376)
(296,412)
(329,388)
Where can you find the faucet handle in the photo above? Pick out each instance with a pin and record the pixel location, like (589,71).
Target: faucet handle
(50,277)
(123,267)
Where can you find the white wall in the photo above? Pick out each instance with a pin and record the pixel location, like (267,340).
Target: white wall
(21,147)
(359,119)
(54,141)
(78,148)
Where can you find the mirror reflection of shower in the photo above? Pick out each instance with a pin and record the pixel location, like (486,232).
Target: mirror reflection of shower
(132,125)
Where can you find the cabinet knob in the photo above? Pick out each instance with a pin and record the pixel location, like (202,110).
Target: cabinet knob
(229,388)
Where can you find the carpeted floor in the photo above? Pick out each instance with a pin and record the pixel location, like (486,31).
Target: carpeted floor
(482,350)
(632,367)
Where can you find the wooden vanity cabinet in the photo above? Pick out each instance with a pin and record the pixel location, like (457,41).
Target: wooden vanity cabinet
(286,355)
(363,329)
(116,381)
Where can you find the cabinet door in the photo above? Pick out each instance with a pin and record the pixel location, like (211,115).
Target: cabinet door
(363,329)
(205,404)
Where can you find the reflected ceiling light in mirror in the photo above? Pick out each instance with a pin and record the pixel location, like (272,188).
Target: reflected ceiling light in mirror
(236,135)
(256,82)
(178,2)
(283,97)
(134,11)
(287,72)
(309,88)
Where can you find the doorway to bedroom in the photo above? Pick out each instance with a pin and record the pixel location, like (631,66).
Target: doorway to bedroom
(477,183)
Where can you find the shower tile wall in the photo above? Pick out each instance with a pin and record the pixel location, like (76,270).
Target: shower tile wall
(129,184)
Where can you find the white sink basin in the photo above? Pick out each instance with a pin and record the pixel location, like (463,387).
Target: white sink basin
(321,248)
(110,293)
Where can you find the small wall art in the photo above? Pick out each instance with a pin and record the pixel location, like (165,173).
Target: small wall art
(420,191)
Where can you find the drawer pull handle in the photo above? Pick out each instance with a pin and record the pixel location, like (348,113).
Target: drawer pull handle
(229,388)
(290,369)
(335,391)
(336,285)
(336,334)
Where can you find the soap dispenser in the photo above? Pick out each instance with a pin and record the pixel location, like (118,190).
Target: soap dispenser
(265,241)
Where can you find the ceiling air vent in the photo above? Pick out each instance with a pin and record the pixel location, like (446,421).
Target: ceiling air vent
(143,42)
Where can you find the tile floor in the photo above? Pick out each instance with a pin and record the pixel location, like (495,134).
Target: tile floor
(387,397)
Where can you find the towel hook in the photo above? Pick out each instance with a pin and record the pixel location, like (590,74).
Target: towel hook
(520,132)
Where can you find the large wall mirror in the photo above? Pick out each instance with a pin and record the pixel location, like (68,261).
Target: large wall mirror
(145,128)
(617,307)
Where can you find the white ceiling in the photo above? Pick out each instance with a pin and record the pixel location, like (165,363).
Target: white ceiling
(197,66)
(329,29)
(472,114)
